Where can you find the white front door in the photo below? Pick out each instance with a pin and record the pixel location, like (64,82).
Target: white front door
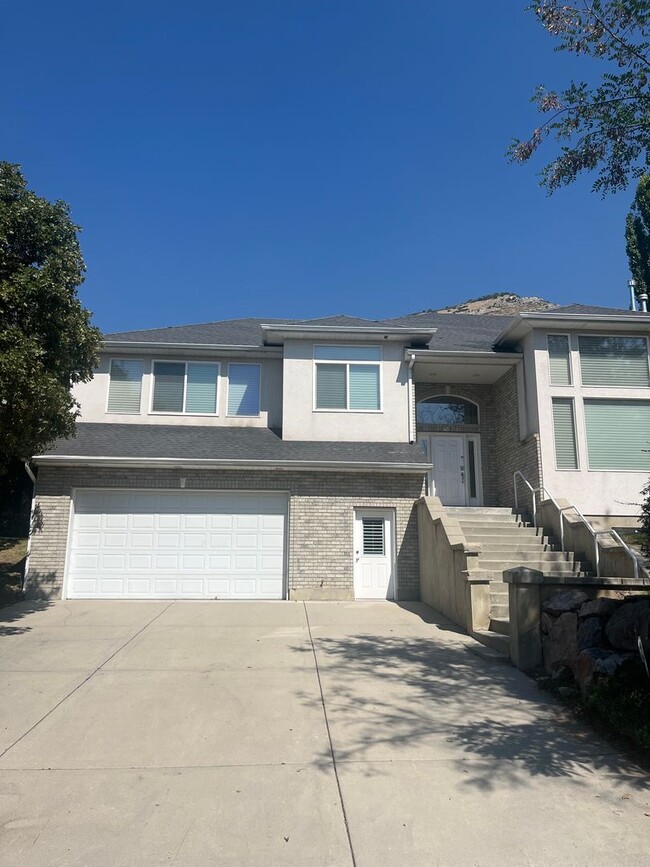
(449,469)
(374,564)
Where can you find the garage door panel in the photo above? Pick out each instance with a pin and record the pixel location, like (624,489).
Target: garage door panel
(164,545)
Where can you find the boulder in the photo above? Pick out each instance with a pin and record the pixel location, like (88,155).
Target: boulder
(594,662)
(627,624)
(599,607)
(590,633)
(546,623)
(562,641)
(567,600)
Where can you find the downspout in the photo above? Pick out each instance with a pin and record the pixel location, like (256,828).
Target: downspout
(409,384)
(31,475)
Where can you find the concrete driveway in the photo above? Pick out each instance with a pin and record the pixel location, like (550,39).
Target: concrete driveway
(281,733)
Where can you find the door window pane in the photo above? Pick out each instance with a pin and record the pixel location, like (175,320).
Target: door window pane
(373,536)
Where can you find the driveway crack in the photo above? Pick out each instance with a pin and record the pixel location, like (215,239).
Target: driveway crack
(329,738)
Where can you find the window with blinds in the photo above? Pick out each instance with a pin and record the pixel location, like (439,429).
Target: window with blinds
(559,359)
(125,387)
(348,378)
(185,387)
(566,453)
(614,361)
(244,389)
(374,541)
(618,434)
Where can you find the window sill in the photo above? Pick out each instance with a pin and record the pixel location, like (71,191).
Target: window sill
(351,411)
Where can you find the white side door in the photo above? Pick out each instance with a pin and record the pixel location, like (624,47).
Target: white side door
(374,561)
(449,469)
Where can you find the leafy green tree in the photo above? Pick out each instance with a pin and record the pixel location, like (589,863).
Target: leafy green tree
(604,127)
(637,236)
(47,342)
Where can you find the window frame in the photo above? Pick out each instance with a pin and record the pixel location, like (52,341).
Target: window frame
(378,363)
(111,359)
(259,389)
(571,381)
(610,385)
(578,467)
(182,412)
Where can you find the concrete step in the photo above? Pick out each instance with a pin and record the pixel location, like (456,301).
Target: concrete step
(479,510)
(541,565)
(534,553)
(500,643)
(497,549)
(499,612)
(489,523)
(500,626)
(511,534)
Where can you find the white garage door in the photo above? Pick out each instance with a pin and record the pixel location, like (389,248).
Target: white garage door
(176,545)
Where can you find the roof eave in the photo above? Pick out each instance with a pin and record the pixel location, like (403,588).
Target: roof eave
(351,331)
(526,322)
(208,463)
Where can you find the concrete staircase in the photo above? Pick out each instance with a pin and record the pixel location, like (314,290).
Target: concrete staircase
(507,542)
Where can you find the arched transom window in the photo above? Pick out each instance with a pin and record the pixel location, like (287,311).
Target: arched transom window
(445,409)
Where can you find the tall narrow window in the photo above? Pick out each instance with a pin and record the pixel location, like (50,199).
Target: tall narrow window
(169,386)
(125,386)
(614,361)
(244,389)
(201,396)
(559,359)
(566,453)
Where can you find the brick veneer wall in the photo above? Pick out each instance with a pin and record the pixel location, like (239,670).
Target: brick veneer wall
(483,396)
(513,453)
(321,517)
(502,451)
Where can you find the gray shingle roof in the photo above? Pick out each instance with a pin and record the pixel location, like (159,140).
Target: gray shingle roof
(456,331)
(236,444)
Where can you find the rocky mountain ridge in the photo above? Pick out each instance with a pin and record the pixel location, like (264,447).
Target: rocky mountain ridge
(500,304)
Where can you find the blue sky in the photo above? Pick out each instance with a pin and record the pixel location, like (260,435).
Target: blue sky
(298,157)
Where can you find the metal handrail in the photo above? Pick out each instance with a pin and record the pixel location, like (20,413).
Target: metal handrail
(518,474)
(561,510)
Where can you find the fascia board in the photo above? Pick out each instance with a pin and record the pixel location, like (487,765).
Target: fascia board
(210,463)
(577,321)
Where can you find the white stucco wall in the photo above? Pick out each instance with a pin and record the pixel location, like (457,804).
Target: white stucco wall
(300,421)
(594,492)
(93,395)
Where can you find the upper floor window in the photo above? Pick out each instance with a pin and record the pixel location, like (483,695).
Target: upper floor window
(125,387)
(614,361)
(185,387)
(244,389)
(348,378)
(444,409)
(617,434)
(559,358)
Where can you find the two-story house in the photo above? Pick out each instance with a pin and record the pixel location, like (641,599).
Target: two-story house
(267,459)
